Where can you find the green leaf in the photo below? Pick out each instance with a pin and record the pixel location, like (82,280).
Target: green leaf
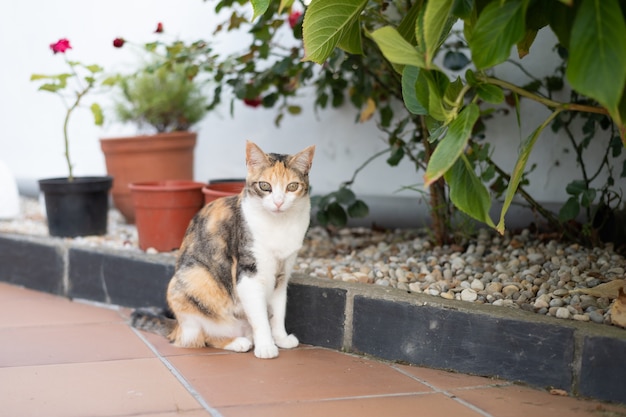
(430,89)
(597,62)
(523,46)
(50,87)
(284,4)
(358,209)
(576,187)
(409,81)
(111,81)
(395,48)
(397,153)
(435,23)
(295,110)
(467,192)
(351,39)
(587,197)
(35,77)
(453,92)
(561,17)
(98,117)
(322,217)
(518,170)
(94,68)
(490,93)
(325,24)
(406,28)
(345,196)
(569,210)
(463,8)
(336,215)
(452,145)
(499,27)
(259,7)
(386,116)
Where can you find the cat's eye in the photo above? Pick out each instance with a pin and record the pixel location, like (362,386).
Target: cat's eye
(265,186)
(293,186)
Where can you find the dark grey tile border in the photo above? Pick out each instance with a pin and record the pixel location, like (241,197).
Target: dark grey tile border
(33,264)
(603,369)
(581,358)
(119,279)
(480,344)
(316,315)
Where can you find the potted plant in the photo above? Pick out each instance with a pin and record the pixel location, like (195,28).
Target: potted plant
(166,96)
(75,206)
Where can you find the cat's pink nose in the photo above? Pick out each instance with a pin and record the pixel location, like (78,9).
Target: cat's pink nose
(278,204)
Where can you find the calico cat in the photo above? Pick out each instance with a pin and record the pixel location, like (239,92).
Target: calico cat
(229,289)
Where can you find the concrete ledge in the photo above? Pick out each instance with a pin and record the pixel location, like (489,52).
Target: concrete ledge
(581,358)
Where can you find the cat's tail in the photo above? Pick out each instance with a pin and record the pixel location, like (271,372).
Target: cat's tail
(153,320)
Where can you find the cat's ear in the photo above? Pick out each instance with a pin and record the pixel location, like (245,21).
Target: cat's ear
(255,157)
(303,160)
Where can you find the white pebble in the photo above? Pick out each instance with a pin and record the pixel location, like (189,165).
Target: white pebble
(477,285)
(562,313)
(469,294)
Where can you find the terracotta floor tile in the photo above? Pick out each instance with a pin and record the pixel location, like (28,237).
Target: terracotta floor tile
(431,405)
(36,345)
(519,401)
(165,348)
(445,380)
(301,374)
(39,309)
(111,388)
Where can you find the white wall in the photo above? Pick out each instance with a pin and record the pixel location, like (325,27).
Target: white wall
(31,121)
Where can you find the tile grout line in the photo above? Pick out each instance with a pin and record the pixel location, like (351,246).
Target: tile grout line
(445,392)
(195,394)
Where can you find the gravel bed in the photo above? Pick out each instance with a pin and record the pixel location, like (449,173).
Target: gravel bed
(534,273)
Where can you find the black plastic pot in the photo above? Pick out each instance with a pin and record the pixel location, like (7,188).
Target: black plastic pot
(77,208)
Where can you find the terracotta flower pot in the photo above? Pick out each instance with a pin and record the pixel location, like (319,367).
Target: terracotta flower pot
(222,188)
(76,208)
(163,211)
(164,156)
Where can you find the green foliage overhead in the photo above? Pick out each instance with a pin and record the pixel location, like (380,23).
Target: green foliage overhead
(331,23)
(597,66)
(593,31)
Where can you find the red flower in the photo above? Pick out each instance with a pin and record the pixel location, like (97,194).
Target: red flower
(118,42)
(159,28)
(253,102)
(293,18)
(61,45)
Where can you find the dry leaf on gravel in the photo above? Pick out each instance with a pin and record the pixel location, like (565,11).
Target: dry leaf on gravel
(618,310)
(608,289)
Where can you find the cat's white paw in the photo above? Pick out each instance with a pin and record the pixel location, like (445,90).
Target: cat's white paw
(239,344)
(266,351)
(287,342)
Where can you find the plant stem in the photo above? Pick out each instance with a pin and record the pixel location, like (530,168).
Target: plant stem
(543,100)
(363,165)
(439,207)
(79,96)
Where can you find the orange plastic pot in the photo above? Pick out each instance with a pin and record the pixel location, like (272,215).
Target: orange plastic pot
(163,210)
(160,157)
(222,188)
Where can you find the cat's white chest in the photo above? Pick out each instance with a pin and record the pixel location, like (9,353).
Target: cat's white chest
(277,234)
